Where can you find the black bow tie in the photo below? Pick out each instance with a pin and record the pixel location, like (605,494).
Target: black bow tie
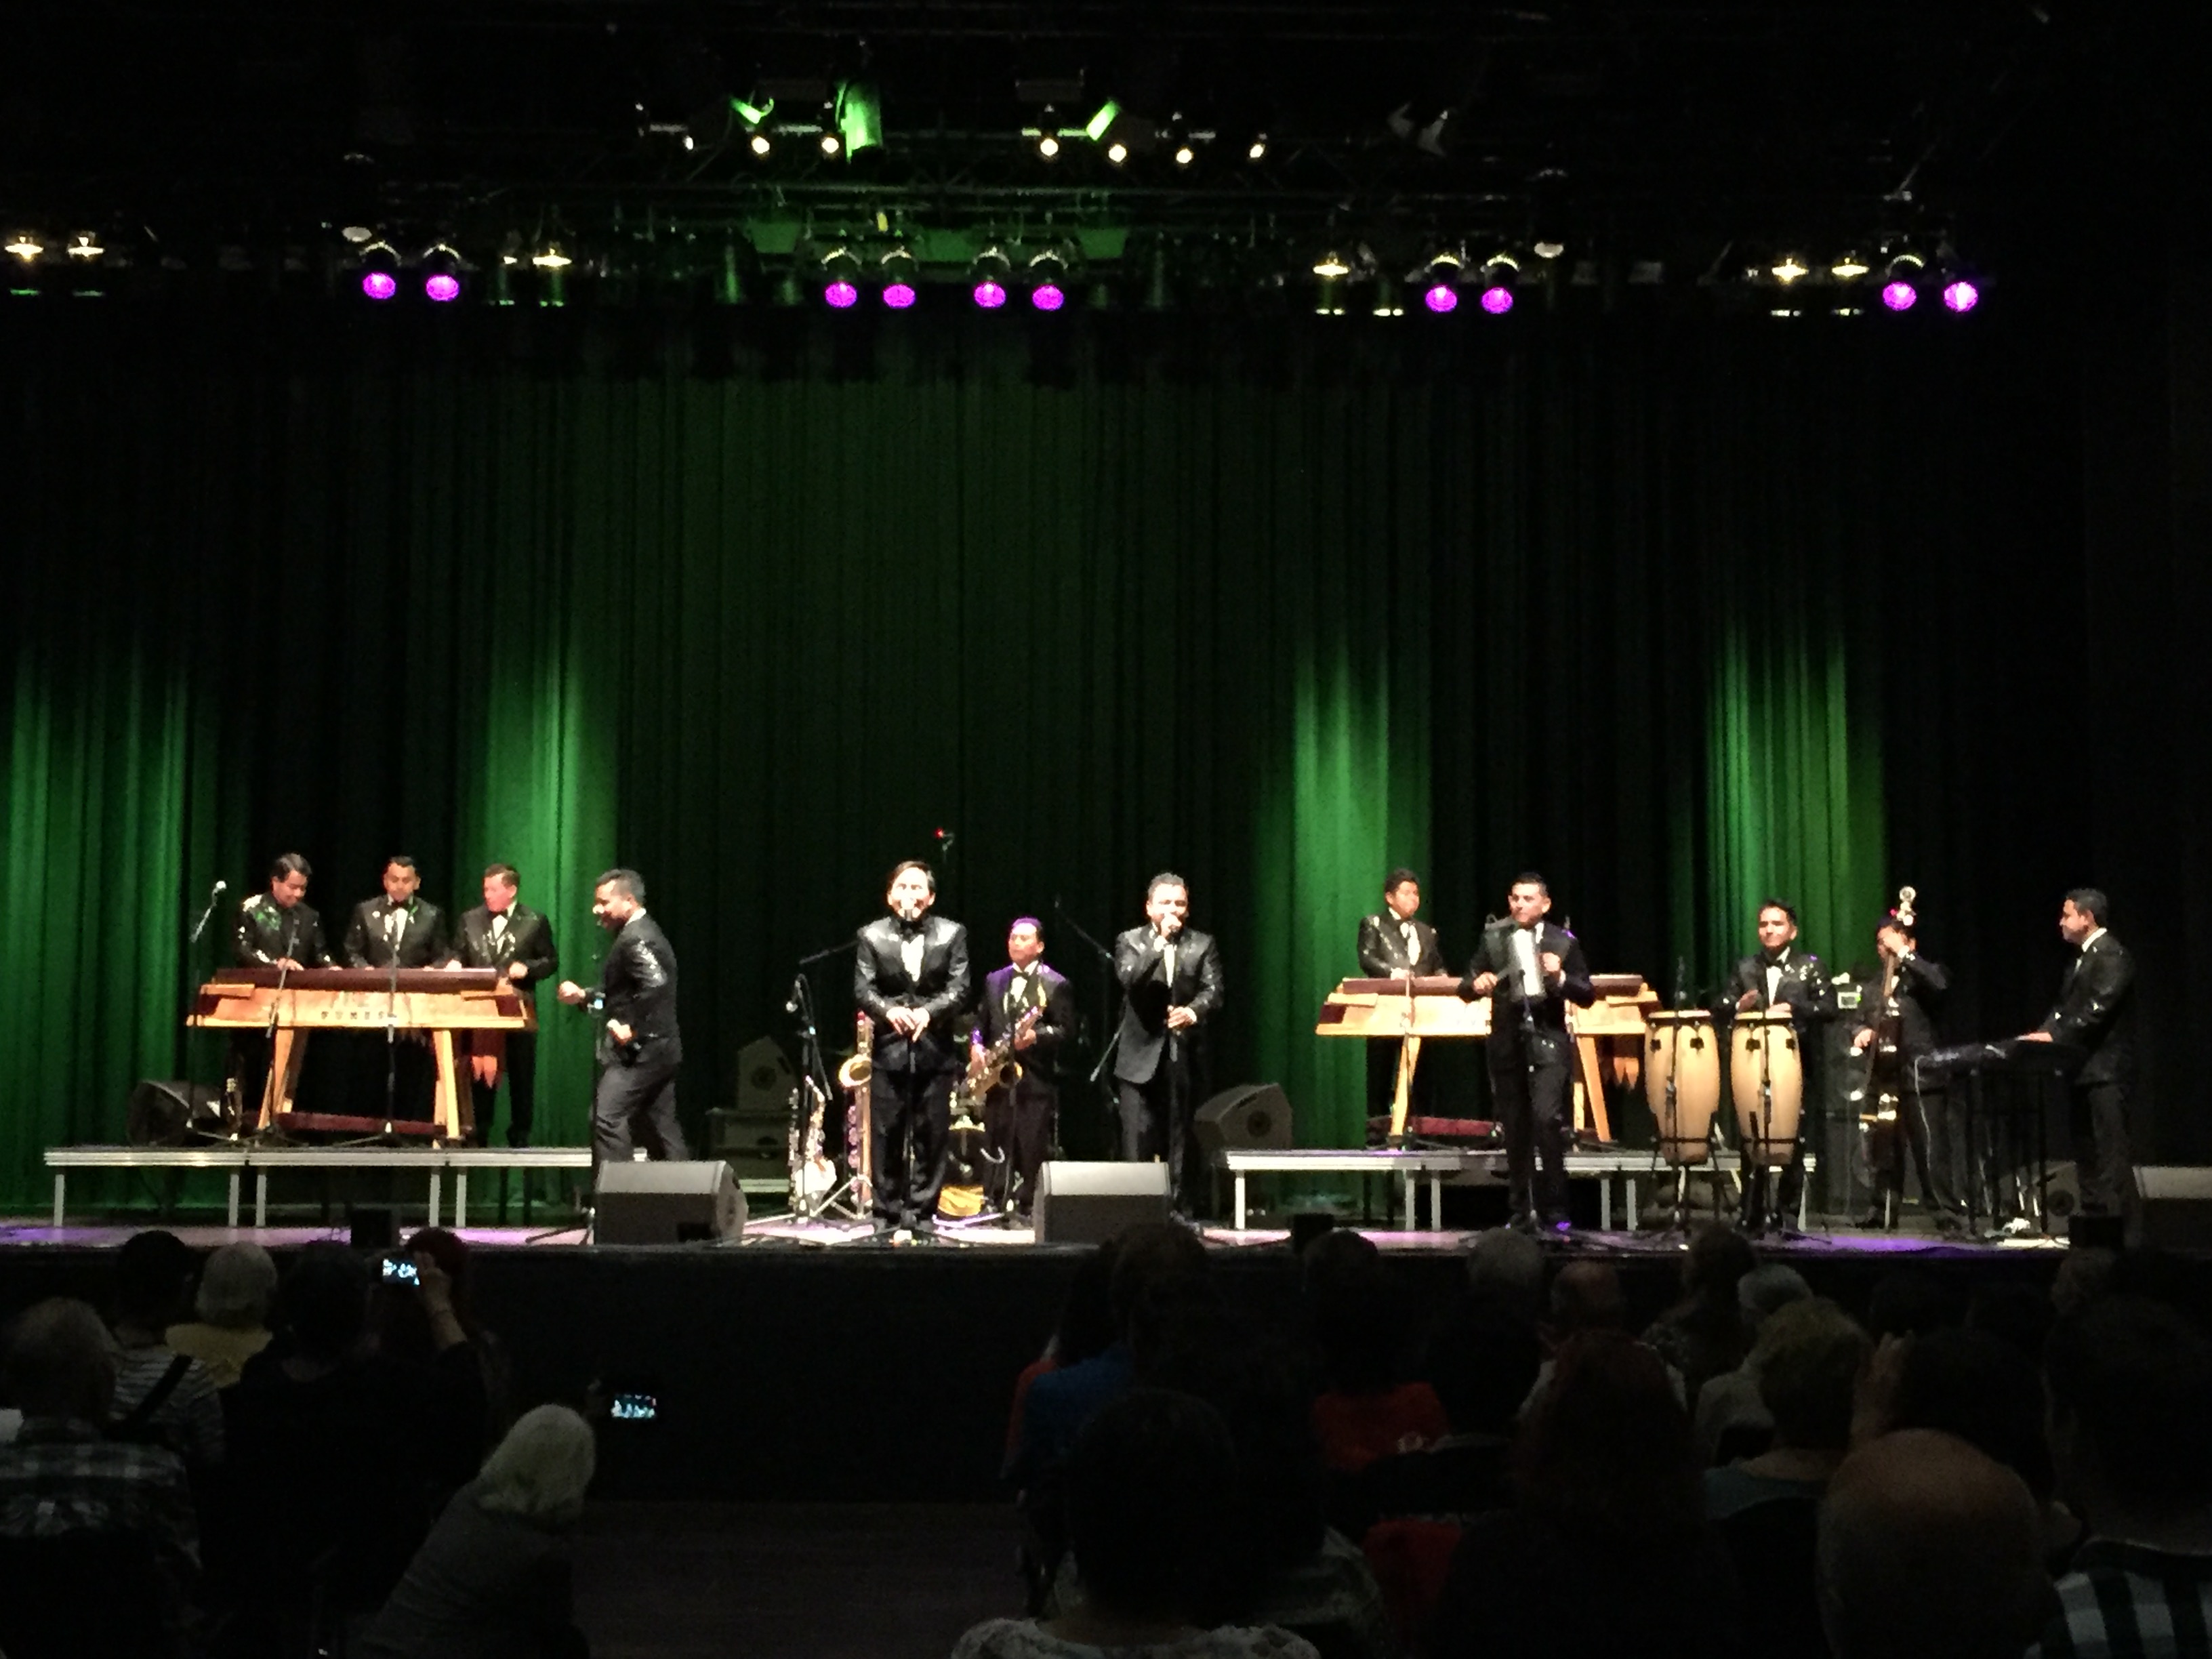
(907,929)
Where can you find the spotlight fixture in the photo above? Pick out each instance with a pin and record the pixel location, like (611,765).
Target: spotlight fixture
(988,276)
(1098,125)
(442,275)
(1440,283)
(1048,146)
(1849,268)
(1117,152)
(1257,150)
(1389,300)
(859,112)
(899,273)
(761,143)
(1499,277)
(840,291)
(1184,154)
(1331,266)
(1547,248)
(1900,288)
(26,245)
(86,247)
(830,143)
(1788,269)
(379,274)
(1960,296)
(550,257)
(1046,272)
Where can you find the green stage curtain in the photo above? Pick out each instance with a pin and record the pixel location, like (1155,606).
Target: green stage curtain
(760,602)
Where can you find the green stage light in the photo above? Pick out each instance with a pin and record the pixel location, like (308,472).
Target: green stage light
(859,117)
(752,114)
(1099,124)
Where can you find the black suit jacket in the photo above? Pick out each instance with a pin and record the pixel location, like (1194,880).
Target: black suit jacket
(1140,965)
(1382,948)
(1804,987)
(638,983)
(421,942)
(1921,985)
(1053,999)
(529,941)
(2095,1010)
(881,983)
(1548,1013)
(267,933)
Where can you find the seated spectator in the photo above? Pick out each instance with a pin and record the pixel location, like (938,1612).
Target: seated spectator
(2129,1380)
(1927,1547)
(1808,1361)
(1731,1422)
(400,1322)
(1148,1481)
(352,1446)
(2020,1315)
(495,1577)
(1505,1268)
(1086,1331)
(160,1396)
(1587,1299)
(1287,1567)
(61,1481)
(1061,1402)
(1602,1473)
(1407,1511)
(1368,1407)
(231,1326)
(1705,1333)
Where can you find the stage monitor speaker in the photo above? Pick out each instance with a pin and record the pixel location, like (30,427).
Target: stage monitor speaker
(765,1080)
(171,1114)
(1090,1203)
(667,1203)
(2177,1205)
(1250,1117)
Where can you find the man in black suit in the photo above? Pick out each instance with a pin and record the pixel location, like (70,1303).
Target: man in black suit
(1898,1030)
(1393,945)
(399,924)
(1170,978)
(1779,975)
(278,929)
(410,931)
(1531,970)
(2095,1014)
(1019,1118)
(640,1046)
(910,976)
(505,934)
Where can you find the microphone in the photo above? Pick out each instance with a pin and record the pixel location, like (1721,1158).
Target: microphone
(214,893)
(1682,981)
(944,839)
(798,995)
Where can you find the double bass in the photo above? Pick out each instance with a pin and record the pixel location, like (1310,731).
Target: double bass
(1886,1070)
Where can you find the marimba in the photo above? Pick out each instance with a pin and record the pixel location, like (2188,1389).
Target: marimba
(289,1004)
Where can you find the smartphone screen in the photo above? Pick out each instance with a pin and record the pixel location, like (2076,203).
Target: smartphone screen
(401,1270)
(635,1408)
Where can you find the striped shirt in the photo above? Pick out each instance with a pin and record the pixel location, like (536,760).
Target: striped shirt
(189,1422)
(2129,1602)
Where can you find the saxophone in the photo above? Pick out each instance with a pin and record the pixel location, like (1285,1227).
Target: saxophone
(853,1077)
(998,1066)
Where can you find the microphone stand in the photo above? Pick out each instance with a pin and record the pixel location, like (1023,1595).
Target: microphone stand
(391,1032)
(1110,1096)
(180,1052)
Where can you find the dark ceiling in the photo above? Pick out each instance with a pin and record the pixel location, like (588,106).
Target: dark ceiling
(1657,130)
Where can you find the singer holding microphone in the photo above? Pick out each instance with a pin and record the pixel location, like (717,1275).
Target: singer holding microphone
(1170,978)
(1531,971)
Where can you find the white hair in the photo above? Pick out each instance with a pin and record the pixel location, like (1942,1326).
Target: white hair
(540,1470)
(236,1287)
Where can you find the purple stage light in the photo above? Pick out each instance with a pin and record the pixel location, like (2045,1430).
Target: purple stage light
(1960,295)
(898,296)
(989,294)
(1046,296)
(1496,300)
(1441,298)
(1899,296)
(379,284)
(441,288)
(841,295)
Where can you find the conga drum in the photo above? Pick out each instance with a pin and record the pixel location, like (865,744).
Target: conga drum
(1766,1078)
(1682,1082)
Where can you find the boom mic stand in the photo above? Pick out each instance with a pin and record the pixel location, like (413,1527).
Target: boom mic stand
(1110,1098)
